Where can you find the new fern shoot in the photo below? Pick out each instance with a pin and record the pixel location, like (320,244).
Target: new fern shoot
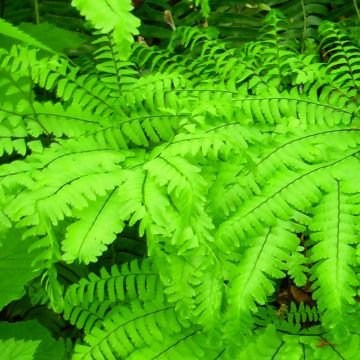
(205,209)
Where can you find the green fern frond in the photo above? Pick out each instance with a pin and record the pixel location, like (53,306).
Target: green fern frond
(130,281)
(305,16)
(109,16)
(182,181)
(191,343)
(265,260)
(268,343)
(278,54)
(332,240)
(183,276)
(343,56)
(87,315)
(45,262)
(112,71)
(302,314)
(51,162)
(86,239)
(51,73)
(208,301)
(188,37)
(127,328)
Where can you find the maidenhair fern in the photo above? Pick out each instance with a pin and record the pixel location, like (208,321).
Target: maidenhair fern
(238,167)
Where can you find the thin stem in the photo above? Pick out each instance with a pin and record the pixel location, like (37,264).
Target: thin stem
(305,25)
(357,9)
(37,14)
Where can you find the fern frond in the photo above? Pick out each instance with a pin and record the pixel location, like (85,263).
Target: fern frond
(302,314)
(87,315)
(130,281)
(209,297)
(86,239)
(127,328)
(305,16)
(71,121)
(110,16)
(278,54)
(266,259)
(343,56)
(332,240)
(183,276)
(51,162)
(269,343)
(185,187)
(188,37)
(191,343)
(16,101)
(48,254)
(55,72)
(247,222)
(113,72)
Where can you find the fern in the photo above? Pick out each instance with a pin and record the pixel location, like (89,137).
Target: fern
(237,166)
(343,56)
(302,314)
(329,246)
(111,16)
(132,281)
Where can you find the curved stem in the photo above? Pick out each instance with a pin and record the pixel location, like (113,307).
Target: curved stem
(357,9)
